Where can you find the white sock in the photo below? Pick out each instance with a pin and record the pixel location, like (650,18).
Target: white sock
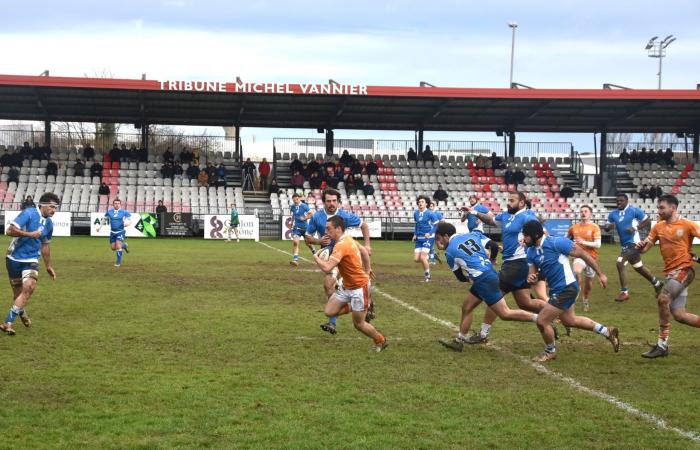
(601,329)
(485,328)
(534,317)
(461,337)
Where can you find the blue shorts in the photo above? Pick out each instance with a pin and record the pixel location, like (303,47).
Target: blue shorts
(513,275)
(15,269)
(296,231)
(564,299)
(424,243)
(119,236)
(486,288)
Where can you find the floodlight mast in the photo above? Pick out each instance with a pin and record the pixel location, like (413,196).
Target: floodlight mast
(657,49)
(513,26)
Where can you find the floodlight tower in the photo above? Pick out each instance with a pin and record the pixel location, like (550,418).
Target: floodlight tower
(513,26)
(657,49)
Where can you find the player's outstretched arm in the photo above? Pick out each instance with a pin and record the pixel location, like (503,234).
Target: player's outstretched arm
(46,256)
(578,252)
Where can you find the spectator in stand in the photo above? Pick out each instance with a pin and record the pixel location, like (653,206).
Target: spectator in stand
(46,152)
(496,161)
(356,167)
(346,159)
(440,195)
(264,171)
(372,168)
(661,157)
(88,152)
(624,157)
(203,179)
(296,166)
(643,156)
(104,189)
(668,158)
(211,171)
(566,192)
(634,156)
(297,180)
(6,158)
(51,168)
(331,178)
(359,182)
(78,168)
(114,153)
(248,169)
(350,184)
(311,167)
(124,154)
(193,171)
(368,189)
(133,154)
(13,175)
(168,155)
(177,170)
(185,156)
(28,203)
(274,187)
(411,156)
(428,154)
(519,177)
(26,150)
(509,176)
(315,180)
(651,156)
(161,208)
(330,163)
(655,192)
(37,152)
(143,154)
(644,192)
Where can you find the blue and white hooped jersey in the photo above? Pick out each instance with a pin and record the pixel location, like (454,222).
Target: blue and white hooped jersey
(299,212)
(511,230)
(317,223)
(473,222)
(625,219)
(552,260)
(467,251)
(424,220)
(26,249)
(116,219)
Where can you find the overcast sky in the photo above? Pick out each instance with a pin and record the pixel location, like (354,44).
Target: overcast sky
(559,44)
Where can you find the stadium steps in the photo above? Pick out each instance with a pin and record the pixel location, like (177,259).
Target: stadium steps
(623,181)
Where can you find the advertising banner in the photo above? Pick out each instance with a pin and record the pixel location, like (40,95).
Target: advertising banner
(175,224)
(557,227)
(61,222)
(142,225)
(217,226)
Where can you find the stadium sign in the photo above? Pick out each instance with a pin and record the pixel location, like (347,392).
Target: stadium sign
(264,88)
(142,225)
(216,226)
(62,221)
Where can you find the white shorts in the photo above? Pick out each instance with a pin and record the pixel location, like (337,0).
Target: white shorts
(587,270)
(357,298)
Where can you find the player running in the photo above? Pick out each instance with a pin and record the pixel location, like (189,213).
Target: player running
(548,256)
(301,214)
(355,267)
(514,271)
(675,236)
(317,225)
(32,231)
(628,219)
(467,253)
(433,257)
(423,234)
(586,235)
(119,219)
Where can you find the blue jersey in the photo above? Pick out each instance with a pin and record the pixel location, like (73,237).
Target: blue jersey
(552,260)
(317,224)
(116,219)
(511,227)
(473,222)
(299,213)
(26,249)
(437,217)
(625,219)
(467,251)
(424,222)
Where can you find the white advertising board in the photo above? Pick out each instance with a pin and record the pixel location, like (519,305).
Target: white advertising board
(216,226)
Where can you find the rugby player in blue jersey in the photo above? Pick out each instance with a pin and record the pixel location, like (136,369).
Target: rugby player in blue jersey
(467,258)
(474,224)
(548,257)
(316,234)
(32,231)
(514,272)
(119,219)
(434,258)
(423,234)
(301,213)
(627,220)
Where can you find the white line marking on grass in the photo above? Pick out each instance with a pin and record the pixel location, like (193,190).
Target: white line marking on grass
(576,385)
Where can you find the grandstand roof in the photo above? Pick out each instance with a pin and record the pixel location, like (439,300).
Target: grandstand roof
(381,108)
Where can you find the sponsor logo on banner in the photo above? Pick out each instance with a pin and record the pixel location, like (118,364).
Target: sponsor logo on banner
(557,227)
(142,225)
(62,221)
(217,226)
(375,228)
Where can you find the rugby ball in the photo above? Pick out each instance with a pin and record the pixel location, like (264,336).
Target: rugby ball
(324,253)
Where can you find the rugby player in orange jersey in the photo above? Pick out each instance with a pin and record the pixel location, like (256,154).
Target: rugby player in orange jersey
(675,236)
(355,268)
(586,235)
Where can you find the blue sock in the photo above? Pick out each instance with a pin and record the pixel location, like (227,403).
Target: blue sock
(119,257)
(333,320)
(124,245)
(12,315)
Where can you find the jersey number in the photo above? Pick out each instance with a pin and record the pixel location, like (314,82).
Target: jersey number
(471,248)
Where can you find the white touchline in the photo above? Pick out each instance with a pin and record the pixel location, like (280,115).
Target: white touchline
(654,420)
